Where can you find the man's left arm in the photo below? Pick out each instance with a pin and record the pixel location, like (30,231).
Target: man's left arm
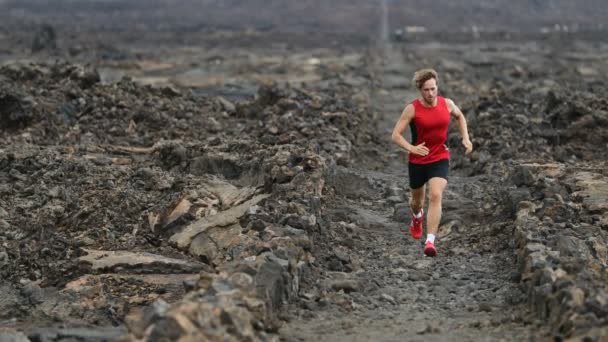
(456,113)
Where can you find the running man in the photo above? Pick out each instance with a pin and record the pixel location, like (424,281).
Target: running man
(429,157)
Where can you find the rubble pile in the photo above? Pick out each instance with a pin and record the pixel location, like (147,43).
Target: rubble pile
(560,235)
(548,123)
(548,146)
(116,196)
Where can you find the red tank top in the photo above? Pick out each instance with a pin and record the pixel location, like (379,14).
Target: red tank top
(430,125)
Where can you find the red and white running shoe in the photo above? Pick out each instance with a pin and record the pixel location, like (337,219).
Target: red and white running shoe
(429,249)
(416,225)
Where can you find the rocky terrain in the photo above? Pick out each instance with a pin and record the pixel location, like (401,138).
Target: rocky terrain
(241,185)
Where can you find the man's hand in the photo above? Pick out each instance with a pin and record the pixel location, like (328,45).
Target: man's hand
(467,145)
(420,150)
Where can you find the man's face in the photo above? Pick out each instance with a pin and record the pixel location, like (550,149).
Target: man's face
(429,91)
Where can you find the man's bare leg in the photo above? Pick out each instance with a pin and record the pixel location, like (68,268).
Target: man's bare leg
(436,187)
(417,199)
(416,203)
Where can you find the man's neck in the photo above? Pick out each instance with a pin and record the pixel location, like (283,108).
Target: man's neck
(427,104)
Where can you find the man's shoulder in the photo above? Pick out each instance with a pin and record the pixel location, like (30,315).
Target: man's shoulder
(409,109)
(448,102)
(412,104)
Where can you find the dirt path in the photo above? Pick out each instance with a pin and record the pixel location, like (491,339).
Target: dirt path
(463,294)
(397,294)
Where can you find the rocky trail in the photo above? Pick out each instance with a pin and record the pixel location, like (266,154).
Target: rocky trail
(397,294)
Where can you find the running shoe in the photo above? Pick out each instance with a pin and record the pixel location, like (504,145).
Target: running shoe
(416,225)
(429,249)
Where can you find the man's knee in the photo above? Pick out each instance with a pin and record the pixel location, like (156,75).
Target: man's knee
(435,196)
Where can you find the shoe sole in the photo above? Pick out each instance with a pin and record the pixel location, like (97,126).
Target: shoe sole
(430,252)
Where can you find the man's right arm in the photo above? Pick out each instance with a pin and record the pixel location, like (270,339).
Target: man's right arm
(404,121)
(406,117)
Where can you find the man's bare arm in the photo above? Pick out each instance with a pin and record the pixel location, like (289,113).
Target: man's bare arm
(406,117)
(462,125)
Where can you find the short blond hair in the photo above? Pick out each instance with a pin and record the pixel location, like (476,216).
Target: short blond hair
(424,75)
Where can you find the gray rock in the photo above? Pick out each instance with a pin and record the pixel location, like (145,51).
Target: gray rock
(596,245)
(485,307)
(228,106)
(78,334)
(571,246)
(388,298)
(418,276)
(183,238)
(9,301)
(3,257)
(35,294)
(242,280)
(346,285)
(269,283)
(350,183)
(151,315)
(430,328)
(594,190)
(523,176)
(204,247)
(522,119)
(401,212)
(394,199)
(144,262)
(422,264)
(514,197)
(10,335)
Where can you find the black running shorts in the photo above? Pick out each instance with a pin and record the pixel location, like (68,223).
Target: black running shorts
(421,173)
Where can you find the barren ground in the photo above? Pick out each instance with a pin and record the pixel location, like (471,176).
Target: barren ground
(162,178)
